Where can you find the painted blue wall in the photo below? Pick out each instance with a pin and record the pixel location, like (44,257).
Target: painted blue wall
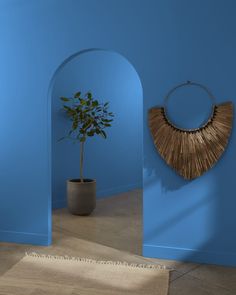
(168,42)
(36,37)
(192,220)
(115,163)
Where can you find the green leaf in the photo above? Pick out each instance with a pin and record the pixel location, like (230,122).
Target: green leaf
(95,103)
(106,104)
(107,120)
(86,110)
(89,95)
(82,101)
(69,111)
(77,94)
(103,134)
(90,133)
(64,99)
(67,108)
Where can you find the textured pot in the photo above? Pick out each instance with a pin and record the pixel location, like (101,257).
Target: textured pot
(81,196)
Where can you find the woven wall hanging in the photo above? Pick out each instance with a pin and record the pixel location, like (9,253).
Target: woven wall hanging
(191,152)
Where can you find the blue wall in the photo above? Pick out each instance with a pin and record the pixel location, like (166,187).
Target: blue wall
(192,220)
(168,42)
(115,163)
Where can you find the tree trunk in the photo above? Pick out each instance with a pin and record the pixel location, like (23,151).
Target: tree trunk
(81,161)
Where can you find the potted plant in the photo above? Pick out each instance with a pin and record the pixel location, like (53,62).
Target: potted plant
(89,117)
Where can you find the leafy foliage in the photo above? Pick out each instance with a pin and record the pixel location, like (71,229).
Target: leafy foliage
(89,117)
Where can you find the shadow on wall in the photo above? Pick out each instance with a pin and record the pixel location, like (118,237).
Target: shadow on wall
(193,216)
(116,163)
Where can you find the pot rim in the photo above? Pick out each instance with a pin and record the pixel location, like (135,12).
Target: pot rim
(77,181)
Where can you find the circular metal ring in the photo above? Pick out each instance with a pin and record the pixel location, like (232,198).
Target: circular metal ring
(189,83)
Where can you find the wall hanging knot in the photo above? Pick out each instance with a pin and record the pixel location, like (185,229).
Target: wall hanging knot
(191,152)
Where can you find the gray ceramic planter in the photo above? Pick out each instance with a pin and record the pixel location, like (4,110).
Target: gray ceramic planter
(81,196)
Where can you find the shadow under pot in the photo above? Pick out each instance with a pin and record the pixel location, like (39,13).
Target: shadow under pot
(81,196)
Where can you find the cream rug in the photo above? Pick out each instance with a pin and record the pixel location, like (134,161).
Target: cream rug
(56,275)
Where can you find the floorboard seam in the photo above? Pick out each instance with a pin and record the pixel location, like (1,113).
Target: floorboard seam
(185,273)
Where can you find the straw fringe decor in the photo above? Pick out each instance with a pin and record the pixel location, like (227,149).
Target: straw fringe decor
(192,152)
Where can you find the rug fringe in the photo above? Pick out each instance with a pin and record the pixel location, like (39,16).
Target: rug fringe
(88,260)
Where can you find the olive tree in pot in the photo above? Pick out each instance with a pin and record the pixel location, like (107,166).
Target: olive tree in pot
(89,117)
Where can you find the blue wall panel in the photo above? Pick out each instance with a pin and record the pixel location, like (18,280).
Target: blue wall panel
(192,220)
(36,37)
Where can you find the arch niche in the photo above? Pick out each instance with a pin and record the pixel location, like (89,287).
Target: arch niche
(116,163)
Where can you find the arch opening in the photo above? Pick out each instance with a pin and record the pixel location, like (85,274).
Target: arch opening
(115,163)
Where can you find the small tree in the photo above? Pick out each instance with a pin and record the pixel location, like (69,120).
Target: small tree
(89,117)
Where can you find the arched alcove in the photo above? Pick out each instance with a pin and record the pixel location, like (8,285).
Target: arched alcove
(116,163)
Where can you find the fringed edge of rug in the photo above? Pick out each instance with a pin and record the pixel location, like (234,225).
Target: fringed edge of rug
(88,260)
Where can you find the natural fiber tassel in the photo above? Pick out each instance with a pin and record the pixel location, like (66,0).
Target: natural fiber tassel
(192,152)
(88,260)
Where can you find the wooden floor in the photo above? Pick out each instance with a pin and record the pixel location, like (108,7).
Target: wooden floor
(114,232)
